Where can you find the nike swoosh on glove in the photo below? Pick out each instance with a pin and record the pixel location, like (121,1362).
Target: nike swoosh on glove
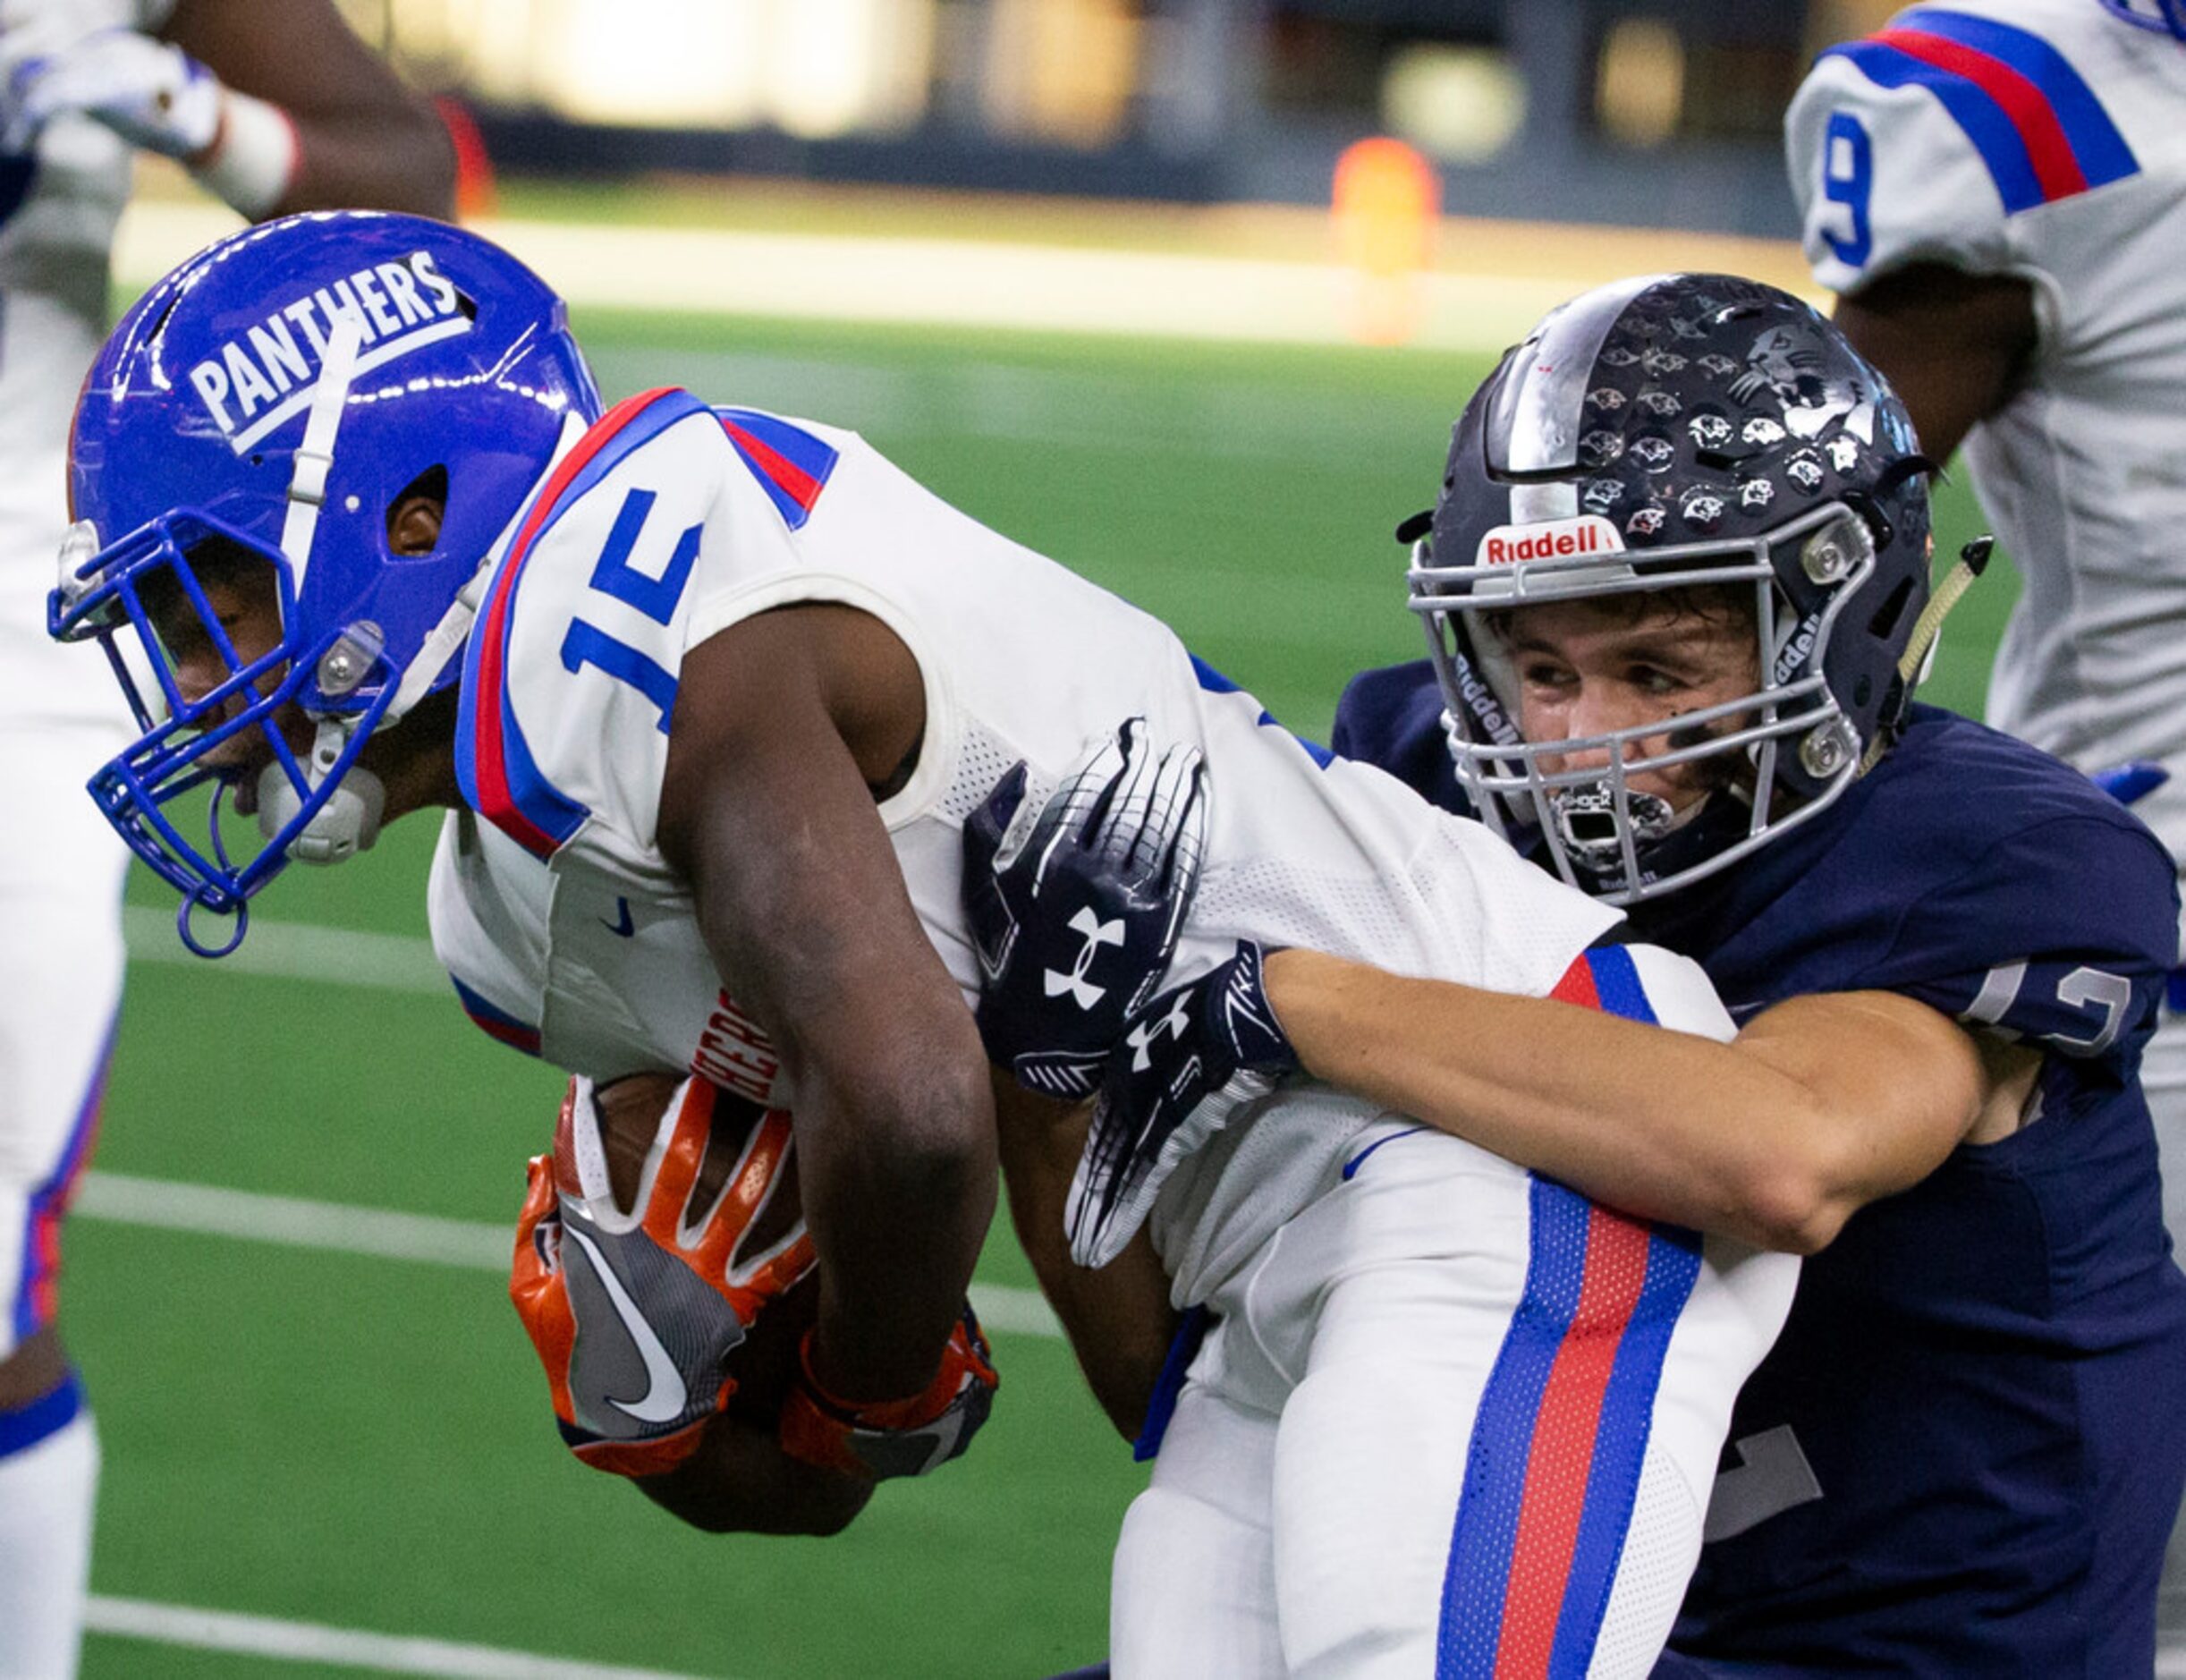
(634,1314)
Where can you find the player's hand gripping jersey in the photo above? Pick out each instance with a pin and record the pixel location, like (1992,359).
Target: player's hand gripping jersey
(2041,139)
(671,521)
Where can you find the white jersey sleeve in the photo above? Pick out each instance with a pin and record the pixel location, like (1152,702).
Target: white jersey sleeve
(1885,177)
(666,512)
(1954,134)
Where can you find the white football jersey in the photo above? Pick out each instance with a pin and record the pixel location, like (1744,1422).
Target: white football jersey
(569,935)
(58,210)
(2045,139)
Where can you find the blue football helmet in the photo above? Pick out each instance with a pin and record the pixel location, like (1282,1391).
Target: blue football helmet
(1664,433)
(2166,16)
(272,399)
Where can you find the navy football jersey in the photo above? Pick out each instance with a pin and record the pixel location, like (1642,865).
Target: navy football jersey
(1965,1451)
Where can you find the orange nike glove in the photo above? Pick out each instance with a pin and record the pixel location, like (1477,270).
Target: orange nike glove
(634,1314)
(897,1438)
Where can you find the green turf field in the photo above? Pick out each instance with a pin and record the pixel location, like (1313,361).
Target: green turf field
(362,1443)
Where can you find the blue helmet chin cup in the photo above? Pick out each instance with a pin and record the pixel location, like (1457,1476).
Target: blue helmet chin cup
(2166,16)
(275,397)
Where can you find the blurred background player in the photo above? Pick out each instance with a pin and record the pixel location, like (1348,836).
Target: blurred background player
(272,108)
(1963,1455)
(1996,192)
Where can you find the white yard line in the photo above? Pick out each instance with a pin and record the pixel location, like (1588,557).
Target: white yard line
(290,1221)
(343,1647)
(291,950)
(383,1234)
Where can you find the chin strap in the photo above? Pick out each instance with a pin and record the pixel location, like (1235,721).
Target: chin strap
(347,823)
(442,643)
(1928,629)
(307,488)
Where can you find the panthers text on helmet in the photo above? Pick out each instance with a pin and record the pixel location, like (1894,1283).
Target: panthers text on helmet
(397,306)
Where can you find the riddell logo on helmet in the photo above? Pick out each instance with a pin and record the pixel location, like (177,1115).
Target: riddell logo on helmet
(1557,539)
(268,373)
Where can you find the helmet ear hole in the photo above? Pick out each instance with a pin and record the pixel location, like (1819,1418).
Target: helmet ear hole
(1884,625)
(417,512)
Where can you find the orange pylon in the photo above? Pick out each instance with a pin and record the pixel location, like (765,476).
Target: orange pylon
(475,190)
(1386,202)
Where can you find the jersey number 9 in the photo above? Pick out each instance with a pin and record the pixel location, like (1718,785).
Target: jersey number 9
(1848,177)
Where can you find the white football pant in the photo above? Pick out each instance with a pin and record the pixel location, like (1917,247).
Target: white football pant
(61,960)
(1452,1421)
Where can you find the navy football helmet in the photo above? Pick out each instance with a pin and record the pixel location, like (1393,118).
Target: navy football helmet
(272,399)
(2166,16)
(1661,433)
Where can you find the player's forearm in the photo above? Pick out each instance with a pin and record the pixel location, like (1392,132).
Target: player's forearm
(1118,1318)
(739,1481)
(397,159)
(356,135)
(1666,1125)
(898,1187)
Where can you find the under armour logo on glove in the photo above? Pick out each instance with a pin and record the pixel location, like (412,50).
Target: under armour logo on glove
(1082,900)
(1188,1062)
(1098,933)
(1175,1022)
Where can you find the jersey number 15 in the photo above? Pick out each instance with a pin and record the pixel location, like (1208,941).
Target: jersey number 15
(585,643)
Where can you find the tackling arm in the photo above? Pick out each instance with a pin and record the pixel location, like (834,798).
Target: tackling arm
(783,725)
(1820,1106)
(361,137)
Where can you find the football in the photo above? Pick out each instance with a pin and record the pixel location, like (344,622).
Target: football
(764,1363)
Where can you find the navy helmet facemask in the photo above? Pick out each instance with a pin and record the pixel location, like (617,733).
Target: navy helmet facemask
(1665,433)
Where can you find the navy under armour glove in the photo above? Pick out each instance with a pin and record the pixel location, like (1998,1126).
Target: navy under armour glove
(1189,1061)
(1075,912)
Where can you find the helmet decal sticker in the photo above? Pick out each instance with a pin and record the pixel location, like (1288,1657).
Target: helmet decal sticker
(1601,448)
(1709,431)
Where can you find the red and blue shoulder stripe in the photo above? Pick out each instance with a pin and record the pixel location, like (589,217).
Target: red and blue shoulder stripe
(1553,1476)
(494,765)
(2039,129)
(792,464)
